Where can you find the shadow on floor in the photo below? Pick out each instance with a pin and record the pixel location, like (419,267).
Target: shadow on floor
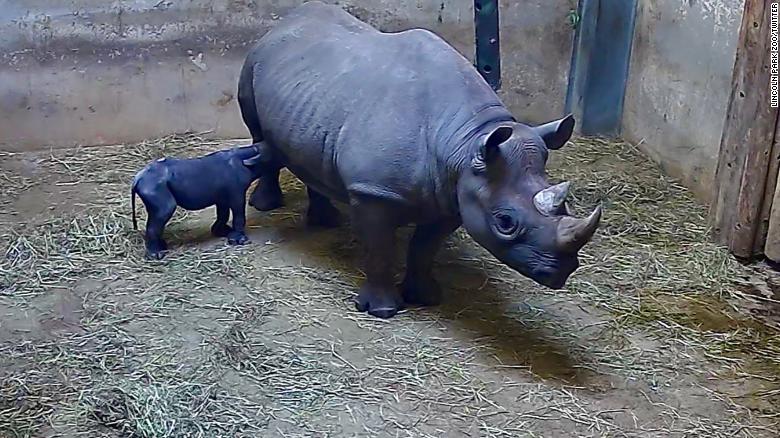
(474,307)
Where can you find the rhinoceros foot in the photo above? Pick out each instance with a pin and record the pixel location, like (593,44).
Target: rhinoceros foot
(156,250)
(267,197)
(221,230)
(379,301)
(237,238)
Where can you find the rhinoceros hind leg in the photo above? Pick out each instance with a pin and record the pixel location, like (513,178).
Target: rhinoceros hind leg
(321,212)
(267,195)
(419,287)
(375,226)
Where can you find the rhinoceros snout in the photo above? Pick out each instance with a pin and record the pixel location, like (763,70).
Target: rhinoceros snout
(553,277)
(555,282)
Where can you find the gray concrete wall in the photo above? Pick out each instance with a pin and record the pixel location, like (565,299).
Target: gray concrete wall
(94,72)
(679,84)
(536,50)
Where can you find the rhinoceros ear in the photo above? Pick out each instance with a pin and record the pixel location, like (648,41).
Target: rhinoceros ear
(488,149)
(261,155)
(253,161)
(556,133)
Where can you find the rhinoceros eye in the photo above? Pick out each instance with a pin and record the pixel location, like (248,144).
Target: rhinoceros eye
(506,226)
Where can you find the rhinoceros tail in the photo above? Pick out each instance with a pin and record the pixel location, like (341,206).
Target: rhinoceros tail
(246,100)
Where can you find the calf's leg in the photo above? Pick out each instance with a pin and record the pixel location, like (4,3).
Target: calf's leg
(321,212)
(375,226)
(238,207)
(160,206)
(419,287)
(220,227)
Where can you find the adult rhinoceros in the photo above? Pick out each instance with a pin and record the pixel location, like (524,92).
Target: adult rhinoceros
(404,129)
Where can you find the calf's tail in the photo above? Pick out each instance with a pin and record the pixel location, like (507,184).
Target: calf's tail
(132,202)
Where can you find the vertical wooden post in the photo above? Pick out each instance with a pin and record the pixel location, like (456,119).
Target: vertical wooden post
(767,239)
(746,143)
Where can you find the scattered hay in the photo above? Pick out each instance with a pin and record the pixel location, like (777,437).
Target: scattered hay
(12,184)
(63,251)
(220,341)
(655,245)
(171,409)
(654,234)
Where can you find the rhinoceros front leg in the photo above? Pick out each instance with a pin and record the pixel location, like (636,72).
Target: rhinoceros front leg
(419,287)
(220,227)
(375,225)
(267,195)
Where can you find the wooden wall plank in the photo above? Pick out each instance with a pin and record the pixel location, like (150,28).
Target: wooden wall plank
(772,247)
(747,139)
(769,205)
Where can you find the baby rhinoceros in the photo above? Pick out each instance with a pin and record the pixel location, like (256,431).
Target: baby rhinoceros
(220,178)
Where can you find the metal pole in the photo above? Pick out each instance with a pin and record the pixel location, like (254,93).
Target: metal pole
(488,60)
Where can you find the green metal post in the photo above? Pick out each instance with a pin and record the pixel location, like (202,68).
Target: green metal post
(488,57)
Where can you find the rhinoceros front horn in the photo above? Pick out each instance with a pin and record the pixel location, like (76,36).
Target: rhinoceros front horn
(549,200)
(573,233)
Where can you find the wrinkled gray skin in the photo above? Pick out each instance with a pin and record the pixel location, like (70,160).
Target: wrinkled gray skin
(220,178)
(404,129)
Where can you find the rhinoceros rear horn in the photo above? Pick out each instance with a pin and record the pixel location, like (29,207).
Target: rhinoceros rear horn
(549,200)
(573,233)
(556,133)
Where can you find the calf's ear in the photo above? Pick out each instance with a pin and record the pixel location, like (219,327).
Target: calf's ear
(556,133)
(253,161)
